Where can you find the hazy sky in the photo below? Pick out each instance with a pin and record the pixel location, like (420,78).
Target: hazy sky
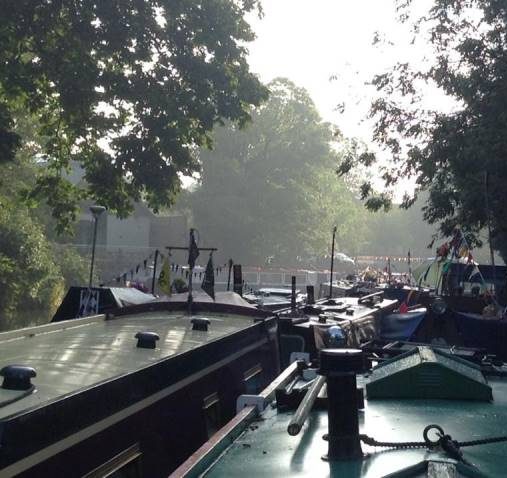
(309,41)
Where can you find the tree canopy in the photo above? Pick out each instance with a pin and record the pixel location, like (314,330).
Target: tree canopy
(457,156)
(271,190)
(126,89)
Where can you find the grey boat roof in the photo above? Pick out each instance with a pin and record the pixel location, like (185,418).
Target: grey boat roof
(226,298)
(283,291)
(76,354)
(264,448)
(347,308)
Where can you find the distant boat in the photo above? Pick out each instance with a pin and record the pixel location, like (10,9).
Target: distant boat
(340,322)
(274,298)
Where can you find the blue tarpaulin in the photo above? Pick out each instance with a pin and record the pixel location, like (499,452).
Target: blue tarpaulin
(401,326)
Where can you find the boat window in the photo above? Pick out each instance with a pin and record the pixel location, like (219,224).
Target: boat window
(212,413)
(252,379)
(126,464)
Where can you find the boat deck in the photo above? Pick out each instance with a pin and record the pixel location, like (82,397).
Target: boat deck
(348,308)
(72,355)
(265,449)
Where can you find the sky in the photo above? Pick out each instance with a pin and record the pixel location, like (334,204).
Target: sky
(310,41)
(326,46)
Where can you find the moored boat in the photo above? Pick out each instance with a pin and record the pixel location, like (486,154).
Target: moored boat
(344,321)
(424,413)
(133,392)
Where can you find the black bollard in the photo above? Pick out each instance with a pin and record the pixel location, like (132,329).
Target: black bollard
(310,294)
(340,366)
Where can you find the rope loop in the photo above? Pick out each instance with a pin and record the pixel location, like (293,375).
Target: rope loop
(440,434)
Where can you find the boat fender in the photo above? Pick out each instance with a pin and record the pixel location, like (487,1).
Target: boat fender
(147,340)
(17,377)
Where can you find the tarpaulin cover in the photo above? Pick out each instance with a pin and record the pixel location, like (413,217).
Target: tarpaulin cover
(484,332)
(401,326)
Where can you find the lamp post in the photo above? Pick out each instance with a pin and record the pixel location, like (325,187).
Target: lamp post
(332,264)
(96,212)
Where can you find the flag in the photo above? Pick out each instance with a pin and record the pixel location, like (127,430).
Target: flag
(164,279)
(193,250)
(208,283)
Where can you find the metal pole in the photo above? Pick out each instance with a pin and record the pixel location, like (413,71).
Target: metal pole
(96,219)
(332,264)
(229,277)
(305,406)
(190,274)
(491,254)
(409,268)
(154,272)
(293,294)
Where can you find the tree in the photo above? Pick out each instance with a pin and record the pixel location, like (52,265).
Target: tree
(458,156)
(33,273)
(126,89)
(270,190)
(31,286)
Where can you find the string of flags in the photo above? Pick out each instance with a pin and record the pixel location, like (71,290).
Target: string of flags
(147,265)
(457,248)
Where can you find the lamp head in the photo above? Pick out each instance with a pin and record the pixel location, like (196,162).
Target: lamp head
(97,210)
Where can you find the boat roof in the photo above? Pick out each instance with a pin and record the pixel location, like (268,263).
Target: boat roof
(226,297)
(277,291)
(347,308)
(265,448)
(76,354)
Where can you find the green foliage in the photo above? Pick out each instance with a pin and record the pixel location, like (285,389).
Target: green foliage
(74,268)
(458,157)
(150,79)
(33,274)
(270,190)
(30,281)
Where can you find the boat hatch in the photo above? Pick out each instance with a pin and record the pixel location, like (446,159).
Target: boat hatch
(424,372)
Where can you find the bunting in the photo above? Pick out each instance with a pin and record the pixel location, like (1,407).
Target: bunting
(173,267)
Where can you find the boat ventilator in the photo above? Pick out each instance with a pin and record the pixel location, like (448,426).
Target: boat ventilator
(17,377)
(147,340)
(200,323)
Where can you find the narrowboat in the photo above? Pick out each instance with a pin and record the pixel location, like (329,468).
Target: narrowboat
(349,321)
(132,392)
(274,298)
(425,412)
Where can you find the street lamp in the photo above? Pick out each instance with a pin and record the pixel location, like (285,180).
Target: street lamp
(332,264)
(96,212)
